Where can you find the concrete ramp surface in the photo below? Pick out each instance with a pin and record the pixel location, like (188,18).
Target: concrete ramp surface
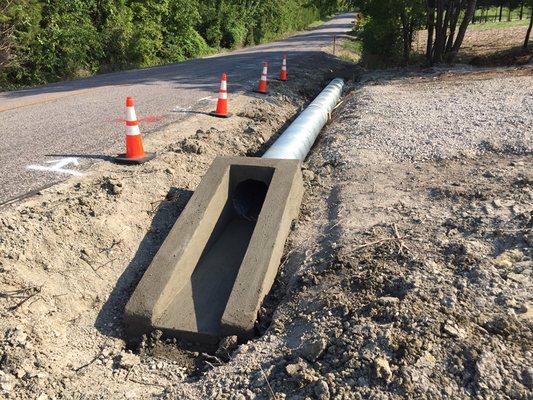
(221,257)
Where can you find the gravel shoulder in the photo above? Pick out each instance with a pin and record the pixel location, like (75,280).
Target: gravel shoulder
(407,275)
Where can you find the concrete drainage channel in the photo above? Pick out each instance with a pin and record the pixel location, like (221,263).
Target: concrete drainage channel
(221,257)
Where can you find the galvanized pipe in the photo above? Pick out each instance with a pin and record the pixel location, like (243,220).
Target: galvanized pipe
(298,138)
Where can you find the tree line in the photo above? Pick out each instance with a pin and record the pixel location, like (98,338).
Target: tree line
(390,25)
(48,40)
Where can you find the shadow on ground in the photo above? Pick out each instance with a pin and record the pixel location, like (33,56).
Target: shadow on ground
(165,214)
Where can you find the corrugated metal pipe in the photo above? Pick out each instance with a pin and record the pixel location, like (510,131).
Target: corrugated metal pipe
(298,138)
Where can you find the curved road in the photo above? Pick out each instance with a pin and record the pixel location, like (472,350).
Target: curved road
(82,118)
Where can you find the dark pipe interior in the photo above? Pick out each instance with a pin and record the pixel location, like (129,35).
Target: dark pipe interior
(248,198)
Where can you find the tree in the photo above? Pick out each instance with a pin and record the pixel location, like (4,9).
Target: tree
(528,33)
(445,34)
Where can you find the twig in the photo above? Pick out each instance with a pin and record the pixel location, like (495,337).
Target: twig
(104,264)
(362,246)
(96,357)
(28,292)
(267,382)
(94,270)
(146,383)
(115,243)
(400,240)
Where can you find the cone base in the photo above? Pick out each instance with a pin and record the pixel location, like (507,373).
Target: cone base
(215,114)
(122,159)
(260,92)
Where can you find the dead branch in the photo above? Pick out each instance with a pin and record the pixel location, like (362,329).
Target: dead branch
(24,294)
(267,382)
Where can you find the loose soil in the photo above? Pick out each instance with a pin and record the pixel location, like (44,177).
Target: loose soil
(408,273)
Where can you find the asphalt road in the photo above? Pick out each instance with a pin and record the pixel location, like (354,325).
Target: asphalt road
(80,121)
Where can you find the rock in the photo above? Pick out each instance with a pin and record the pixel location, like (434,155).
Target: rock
(17,337)
(526,311)
(308,175)
(487,372)
(452,330)
(527,377)
(388,301)
(227,346)
(382,369)
(128,360)
(293,369)
(313,349)
(191,146)
(7,382)
(111,186)
(322,390)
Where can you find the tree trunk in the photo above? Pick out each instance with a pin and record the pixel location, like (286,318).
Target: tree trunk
(456,11)
(440,32)
(431,28)
(501,12)
(521,10)
(405,37)
(526,42)
(471,7)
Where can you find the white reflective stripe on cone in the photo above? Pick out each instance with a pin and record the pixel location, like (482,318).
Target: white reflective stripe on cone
(223,96)
(130,114)
(223,85)
(263,78)
(265,69)
(133,130)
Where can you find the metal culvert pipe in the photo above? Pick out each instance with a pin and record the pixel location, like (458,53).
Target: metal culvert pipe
(298,138)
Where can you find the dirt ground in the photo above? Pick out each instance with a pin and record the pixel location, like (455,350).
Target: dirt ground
(494,46)
(408,273)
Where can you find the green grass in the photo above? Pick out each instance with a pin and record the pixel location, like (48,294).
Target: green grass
(351,50)
(499,25)
(494,14)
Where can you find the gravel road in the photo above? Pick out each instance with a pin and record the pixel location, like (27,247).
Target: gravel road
(81,118)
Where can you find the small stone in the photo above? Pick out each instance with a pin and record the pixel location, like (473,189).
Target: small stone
(227,346)
(322,390)
(308,175)
(17,337)
(452,330)
(527,377)
(293,369)
(128,360)
(388,300)
(313,349)
(497,203)
(488,376)
(382,369)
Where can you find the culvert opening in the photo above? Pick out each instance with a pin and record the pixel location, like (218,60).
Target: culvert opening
(248,199)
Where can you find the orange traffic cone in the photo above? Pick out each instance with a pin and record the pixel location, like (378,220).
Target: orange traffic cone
(222,104)
(135,153)
(263,82)
(283,73)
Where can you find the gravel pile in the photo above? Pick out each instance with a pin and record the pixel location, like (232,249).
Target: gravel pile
(424,119)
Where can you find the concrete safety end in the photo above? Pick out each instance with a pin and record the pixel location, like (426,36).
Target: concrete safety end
(221,257)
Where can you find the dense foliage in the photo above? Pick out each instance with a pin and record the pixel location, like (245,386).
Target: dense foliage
(47,40)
